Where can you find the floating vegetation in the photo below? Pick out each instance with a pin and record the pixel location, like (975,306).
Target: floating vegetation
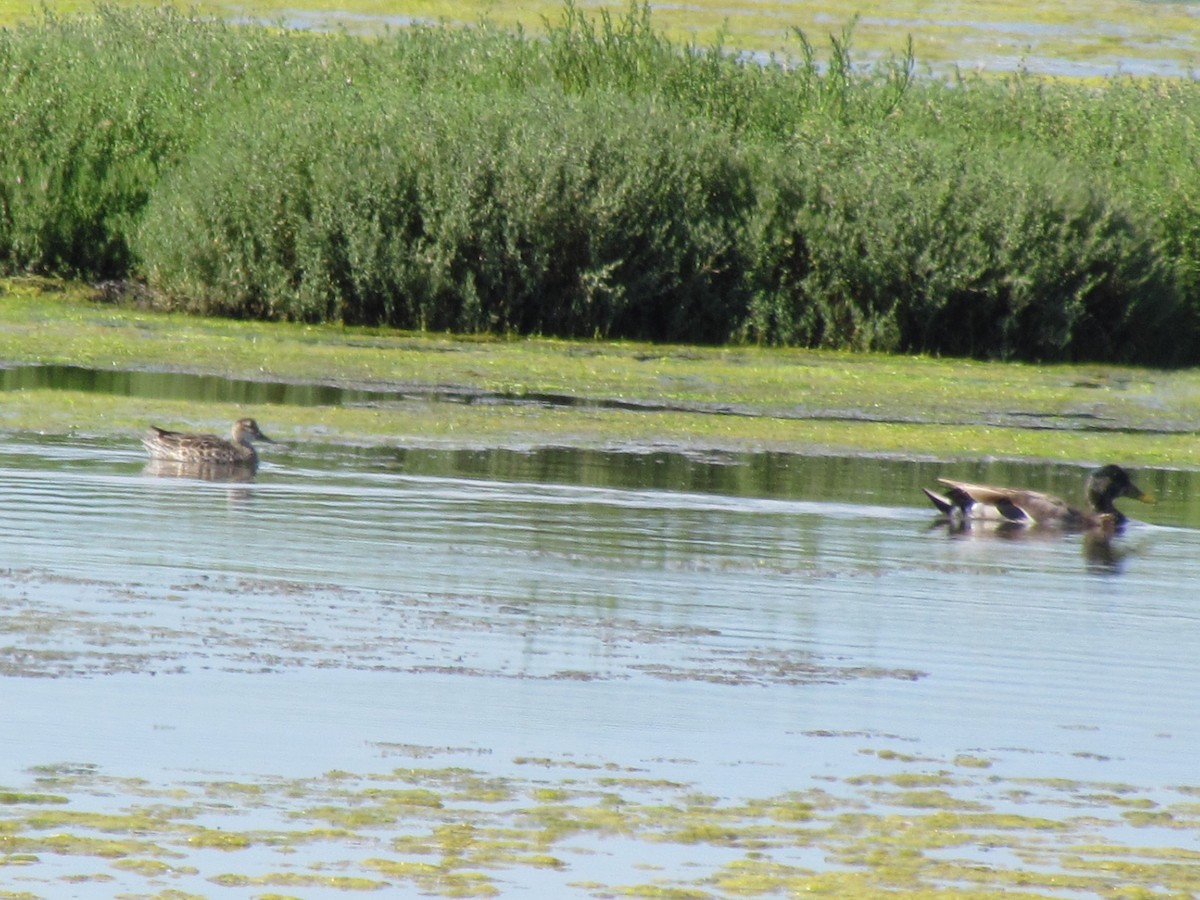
(518,394)
(446,838)
(341,632)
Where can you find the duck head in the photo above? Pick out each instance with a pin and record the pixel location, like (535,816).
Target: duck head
(246,430)
(1107,483)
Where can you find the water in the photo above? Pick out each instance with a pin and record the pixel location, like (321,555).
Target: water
(1078,47)
(166,385)
(750,625)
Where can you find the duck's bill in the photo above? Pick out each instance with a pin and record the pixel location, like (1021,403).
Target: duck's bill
(1145,498)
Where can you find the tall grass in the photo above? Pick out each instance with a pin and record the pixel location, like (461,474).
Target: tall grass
(600,180)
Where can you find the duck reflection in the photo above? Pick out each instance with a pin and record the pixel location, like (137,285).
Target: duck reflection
(205,471)
(1103,553)
(1104,549)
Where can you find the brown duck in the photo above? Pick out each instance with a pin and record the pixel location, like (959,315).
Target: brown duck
(178,446)
(963,502)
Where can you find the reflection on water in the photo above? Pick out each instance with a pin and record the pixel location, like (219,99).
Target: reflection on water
(887,482)
(763,618)
(997,46)
(1104,552)
(1103,548)
(161,385)
(205,471)
(181,386)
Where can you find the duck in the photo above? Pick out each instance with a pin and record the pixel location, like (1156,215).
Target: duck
(963,501)
(179,446)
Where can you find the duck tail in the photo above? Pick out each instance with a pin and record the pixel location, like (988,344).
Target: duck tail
(944,504)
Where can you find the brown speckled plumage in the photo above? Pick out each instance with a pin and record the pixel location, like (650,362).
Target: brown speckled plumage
(181,446)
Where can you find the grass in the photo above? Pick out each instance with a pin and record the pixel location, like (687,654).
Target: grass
(995,35)
(602,180)
(782,399)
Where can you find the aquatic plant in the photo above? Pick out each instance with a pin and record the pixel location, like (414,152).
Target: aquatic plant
(1040,837)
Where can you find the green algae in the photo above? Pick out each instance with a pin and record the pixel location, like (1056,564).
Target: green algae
(855,842)
(967,760)
(549,795)
(418,797)
(134,823)
(220,840)
(440,879)
(661,892)
(891,754)
(11,797)
(67,844)
(927,799)
(152,868)
(623,394)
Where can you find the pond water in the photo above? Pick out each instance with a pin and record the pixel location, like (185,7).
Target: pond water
(1112,41)
(747,626)
(164,385)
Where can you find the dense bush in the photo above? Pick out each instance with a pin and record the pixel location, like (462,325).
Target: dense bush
(565,218)
(599,180)
(907,247)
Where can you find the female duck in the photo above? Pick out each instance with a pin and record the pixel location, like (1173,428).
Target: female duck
(179,446)
(964,501)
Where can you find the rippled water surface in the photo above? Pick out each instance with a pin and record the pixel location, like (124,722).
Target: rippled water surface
(748,625)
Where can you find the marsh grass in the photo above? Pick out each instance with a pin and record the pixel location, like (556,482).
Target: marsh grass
(630,395)
(602,180)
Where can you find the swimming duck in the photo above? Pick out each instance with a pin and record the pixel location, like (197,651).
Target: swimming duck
(964,501)
(206,448)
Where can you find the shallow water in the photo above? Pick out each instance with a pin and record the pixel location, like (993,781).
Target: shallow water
(1091,47)
(747,625)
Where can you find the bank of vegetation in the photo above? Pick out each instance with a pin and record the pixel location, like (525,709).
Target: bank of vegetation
(600,180)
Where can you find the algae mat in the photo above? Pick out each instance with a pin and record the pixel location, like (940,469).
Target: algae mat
(572,827)
(444,391)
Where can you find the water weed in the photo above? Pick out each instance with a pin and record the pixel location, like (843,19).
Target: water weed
(839,840)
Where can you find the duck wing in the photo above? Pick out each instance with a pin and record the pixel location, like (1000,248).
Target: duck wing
(1017,504)
(181,446)
(954,501)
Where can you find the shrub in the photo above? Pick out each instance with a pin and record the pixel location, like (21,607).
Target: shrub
(560,217)
(602,181)
(909,246)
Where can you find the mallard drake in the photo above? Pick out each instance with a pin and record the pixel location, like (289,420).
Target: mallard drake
(964,501)
(183,447)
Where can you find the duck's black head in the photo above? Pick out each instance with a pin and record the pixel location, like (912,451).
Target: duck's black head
(1107,483)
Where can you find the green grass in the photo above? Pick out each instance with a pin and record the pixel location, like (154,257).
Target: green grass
(970,33)
(785,399)
(602,180)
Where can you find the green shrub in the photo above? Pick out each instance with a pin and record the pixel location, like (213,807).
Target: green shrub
(599,180)
(908,246)
(562,217)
